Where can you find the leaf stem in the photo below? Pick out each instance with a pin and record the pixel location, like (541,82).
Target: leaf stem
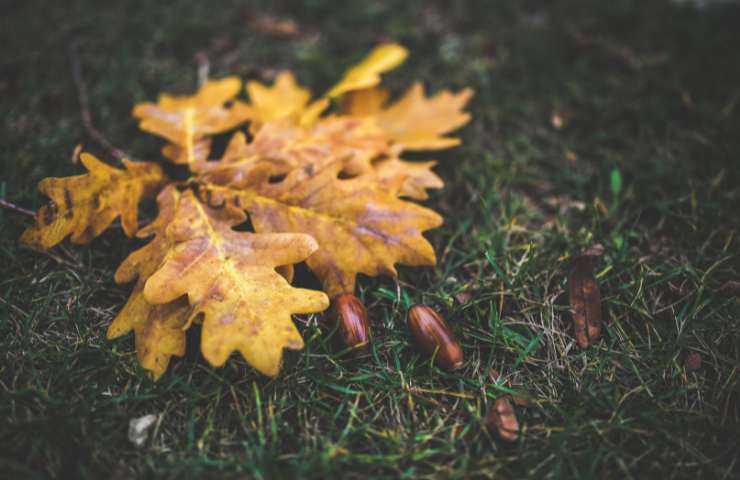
(15,208)
(85,113)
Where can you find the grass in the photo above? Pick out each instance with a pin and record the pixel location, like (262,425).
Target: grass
(646,165)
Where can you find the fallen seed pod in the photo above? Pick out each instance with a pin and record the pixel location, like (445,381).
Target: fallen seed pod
(502,420)
(585,301)
(350,316)
(434,337)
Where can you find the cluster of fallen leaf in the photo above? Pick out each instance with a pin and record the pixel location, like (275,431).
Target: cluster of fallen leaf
(330,190)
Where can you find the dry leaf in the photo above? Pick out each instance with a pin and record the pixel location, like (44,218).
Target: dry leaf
(84,206)
(366,74)
(158,328)
(279,27)
(285,99)
(585,301)
(417,122)
(368,231)
(184,120)
(230,278)
(369,101)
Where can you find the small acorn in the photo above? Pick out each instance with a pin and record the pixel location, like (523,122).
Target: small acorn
(350,316)
(502,419)
(434,337)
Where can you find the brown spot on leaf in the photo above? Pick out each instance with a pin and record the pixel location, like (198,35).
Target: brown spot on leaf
(49,213)
(67,199)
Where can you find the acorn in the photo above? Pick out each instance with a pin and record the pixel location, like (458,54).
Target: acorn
(434,337)
(350,317)
(502,419)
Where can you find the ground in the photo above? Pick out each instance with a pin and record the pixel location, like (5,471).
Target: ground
(613,123)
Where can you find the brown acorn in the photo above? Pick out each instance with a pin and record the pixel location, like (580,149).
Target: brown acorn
(502,419)
(434,337)
(350,316)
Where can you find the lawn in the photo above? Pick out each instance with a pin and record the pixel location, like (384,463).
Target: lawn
(613,123)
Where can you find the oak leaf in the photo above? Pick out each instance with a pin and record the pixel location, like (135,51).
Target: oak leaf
(366,74)
(368,231)
(284,99)
(158,329)
(186,120)
(368,101)
(229,278)
(418,122)
(83,206)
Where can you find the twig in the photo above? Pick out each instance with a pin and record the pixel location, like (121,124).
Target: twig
(87,122)
(15,208)
(204,67)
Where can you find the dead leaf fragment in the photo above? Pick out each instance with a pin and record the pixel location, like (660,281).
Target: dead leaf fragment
(272,25)
(84,206)
(585,301)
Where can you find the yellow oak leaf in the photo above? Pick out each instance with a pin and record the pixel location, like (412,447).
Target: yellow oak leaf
(415,177)
(312,113)
(83,206)
(159,329)
(284,146)
(283,100)
(417,122)
(229,278)
(368,101)
(183,120)
(360,228)
(197,153)
(366,74)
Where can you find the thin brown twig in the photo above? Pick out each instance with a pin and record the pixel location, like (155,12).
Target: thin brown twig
(204,67)
(82,96)
(15,208)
